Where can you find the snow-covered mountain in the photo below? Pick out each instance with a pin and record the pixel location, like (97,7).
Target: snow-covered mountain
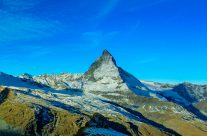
(105,100)
(105,76)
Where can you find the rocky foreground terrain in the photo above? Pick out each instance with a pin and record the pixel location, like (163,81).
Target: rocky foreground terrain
(105,100)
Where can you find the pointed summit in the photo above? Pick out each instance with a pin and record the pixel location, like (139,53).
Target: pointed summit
(106,52)
(107,57)
(106,62)
(106,74)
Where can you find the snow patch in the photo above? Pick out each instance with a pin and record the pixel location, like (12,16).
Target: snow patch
(102,132)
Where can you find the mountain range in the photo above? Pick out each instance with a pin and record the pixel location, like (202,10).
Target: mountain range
(106,100)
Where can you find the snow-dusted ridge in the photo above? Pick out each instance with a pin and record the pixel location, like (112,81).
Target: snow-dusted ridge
(105,76)
(9,80)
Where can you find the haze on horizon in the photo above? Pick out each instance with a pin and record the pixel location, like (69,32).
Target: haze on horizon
(156,40)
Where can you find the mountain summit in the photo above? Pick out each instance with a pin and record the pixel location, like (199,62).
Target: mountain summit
(105,63)
(107,57)
(105,74)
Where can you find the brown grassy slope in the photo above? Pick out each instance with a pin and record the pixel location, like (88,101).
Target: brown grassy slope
(202,106)
(21,116)
(14,113)
(121,124)
(193,127)
(170,120)
(141,129)
(67,124)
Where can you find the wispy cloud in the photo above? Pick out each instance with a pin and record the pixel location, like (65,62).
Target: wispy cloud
(108,8)
(19,5)
(15,26)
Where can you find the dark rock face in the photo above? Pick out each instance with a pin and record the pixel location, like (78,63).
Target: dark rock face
(26,76)
(132,82)
(191,92)
(183,91)
(107,57)
(99,121)
(3,95)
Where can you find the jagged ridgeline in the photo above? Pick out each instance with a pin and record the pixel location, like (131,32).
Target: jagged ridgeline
(104,101)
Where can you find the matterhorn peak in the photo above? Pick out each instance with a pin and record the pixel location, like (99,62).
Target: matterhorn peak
(103,65)
(106,54)
(104,71)
(107,57)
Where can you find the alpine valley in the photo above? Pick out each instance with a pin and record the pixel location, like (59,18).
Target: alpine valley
(104,101)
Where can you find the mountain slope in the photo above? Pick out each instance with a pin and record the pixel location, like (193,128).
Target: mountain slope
(63,81)
(9,80)
(30,113)
(191,92)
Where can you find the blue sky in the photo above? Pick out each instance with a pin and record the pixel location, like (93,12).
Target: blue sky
(160,40)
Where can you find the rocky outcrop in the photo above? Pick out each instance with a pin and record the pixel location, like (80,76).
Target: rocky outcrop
(191,92)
